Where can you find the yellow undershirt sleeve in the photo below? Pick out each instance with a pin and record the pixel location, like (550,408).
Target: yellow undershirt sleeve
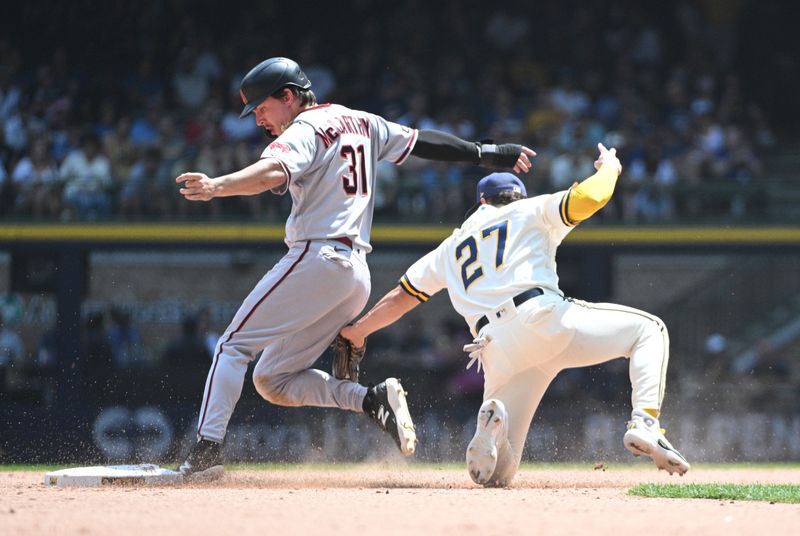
(591,195)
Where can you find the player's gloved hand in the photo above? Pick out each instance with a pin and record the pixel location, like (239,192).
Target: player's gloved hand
(507,156)
(475,350)
(347,358)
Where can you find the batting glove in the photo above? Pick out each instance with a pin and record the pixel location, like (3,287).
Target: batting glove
(475,351)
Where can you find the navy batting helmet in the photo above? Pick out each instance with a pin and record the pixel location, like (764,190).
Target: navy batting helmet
(268,77)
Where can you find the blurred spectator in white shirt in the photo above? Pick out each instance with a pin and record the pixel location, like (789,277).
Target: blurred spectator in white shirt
(37,183)
(191,87)
(236,128)
(87,176)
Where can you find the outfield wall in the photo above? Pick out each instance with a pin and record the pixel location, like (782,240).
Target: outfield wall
(701,282)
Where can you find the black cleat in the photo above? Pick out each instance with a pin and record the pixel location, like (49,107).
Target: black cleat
(386,404)
(204,461)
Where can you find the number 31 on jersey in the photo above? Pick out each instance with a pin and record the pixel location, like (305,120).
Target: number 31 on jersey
(357,170)
(468,251)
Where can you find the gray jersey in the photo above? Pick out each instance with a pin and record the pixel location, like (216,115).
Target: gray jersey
(330,154)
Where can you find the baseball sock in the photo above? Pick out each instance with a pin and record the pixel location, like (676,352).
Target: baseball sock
(369,400)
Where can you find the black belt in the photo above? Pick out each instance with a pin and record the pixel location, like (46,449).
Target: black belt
(519,299)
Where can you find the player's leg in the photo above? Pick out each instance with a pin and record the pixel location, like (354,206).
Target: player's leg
(283,374)
(289,299)
(334,289)
(278,382)
(265,315)
(517,370)
(604,331)
(518,400)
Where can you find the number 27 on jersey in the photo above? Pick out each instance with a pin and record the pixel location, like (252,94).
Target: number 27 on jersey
(467,252)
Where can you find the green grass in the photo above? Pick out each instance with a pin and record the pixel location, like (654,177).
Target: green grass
(33,467)
(783,493)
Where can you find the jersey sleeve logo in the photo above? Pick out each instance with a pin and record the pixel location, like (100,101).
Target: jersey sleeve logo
(277,148)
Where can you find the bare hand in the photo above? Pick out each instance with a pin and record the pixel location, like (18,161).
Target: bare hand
(196,186)
(607,157)
(523,164)
(352,334)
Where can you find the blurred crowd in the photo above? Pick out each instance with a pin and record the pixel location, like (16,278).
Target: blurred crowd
(117,361)
(101,135)
(124,360)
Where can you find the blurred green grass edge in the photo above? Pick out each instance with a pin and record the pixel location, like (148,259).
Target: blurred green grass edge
(772,493)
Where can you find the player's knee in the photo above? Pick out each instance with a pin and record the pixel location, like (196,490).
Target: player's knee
(654,329)
(271,389)
(658,325)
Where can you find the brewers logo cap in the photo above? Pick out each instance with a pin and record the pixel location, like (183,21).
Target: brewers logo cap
(494,184)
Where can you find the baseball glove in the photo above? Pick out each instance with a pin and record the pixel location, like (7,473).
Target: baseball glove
(347,358)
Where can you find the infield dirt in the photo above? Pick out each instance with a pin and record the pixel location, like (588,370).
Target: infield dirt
(405,499)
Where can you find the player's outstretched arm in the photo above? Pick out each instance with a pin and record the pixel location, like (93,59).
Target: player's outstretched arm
(256,178)
(593,193)
(437,145)
(387,311)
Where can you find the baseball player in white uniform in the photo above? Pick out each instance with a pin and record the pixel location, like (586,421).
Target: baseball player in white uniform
(499,270)
(325,156)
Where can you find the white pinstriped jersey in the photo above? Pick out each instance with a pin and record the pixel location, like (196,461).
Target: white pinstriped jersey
(497,253)
(330,154)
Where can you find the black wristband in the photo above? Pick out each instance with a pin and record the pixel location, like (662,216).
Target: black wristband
(502,156)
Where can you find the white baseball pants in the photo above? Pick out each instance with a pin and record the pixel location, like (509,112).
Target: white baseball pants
(290,317)
(531,344)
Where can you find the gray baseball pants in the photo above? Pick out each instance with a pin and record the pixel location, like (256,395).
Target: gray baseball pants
(290,317)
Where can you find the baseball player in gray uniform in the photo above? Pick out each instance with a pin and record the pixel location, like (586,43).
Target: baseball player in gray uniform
(325,156)
(499,270)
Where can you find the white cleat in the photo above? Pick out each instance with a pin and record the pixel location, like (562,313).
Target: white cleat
(406,431)
(645,438)
(386,405)
(482,450)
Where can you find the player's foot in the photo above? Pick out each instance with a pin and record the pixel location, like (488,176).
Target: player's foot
(204,461)
(386,404)
(482,450)
(645,438)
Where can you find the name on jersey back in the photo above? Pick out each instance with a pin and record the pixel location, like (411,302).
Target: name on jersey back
(344,124)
